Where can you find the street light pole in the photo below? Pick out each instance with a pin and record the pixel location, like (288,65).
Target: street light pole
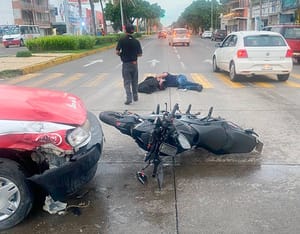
(211,15)
(122,18)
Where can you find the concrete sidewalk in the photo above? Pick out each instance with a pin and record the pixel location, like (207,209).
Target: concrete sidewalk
(40,61)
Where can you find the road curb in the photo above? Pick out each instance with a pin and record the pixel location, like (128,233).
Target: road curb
(59,60)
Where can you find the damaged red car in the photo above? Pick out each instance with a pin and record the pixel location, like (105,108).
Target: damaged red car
(48,140)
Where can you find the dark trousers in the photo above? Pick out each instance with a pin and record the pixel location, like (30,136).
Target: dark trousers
(130,79)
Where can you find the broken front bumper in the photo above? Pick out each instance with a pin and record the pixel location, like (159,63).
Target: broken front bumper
(72,175)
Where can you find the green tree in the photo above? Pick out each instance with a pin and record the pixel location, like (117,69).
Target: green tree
(198,15)
(133,11)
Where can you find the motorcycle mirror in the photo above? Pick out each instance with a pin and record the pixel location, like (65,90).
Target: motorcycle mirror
(175,108)
(188,109)
(210,112)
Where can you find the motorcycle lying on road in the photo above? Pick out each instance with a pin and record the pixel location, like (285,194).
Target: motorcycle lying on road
(168,133)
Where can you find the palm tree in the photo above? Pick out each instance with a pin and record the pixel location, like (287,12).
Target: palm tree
(103,15)
(94,31)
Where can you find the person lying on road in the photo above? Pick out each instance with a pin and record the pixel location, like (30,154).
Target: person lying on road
(164,80)
(180,81)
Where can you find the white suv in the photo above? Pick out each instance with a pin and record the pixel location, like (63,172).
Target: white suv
(179,36)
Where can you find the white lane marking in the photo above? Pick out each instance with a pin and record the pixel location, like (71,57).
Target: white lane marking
(93,62)
(153,62)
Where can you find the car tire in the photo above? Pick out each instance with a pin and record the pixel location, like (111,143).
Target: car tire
(15,195)
(232,73)
(187,44)
(215,66)
(283,77)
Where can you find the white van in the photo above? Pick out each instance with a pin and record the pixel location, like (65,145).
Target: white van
(18,34)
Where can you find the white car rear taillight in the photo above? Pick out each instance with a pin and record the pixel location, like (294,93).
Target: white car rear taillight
(242,53)
(289,53)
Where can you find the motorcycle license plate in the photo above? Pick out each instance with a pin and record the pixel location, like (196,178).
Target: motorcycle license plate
(259,147)
(168,149)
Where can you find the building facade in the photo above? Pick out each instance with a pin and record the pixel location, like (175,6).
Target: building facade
(254,14)
(32,12)
(67,16)
(52,16)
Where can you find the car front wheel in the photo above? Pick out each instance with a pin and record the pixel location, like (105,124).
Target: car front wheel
(15,195)
(215,66)
(232,74)
(283,77)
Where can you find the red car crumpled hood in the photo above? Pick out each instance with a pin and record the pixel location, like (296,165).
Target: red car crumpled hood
(34,104)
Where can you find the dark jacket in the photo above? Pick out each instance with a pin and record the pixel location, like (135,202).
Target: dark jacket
(149,85)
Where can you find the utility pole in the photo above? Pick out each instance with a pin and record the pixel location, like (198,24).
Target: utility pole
(33,12)
(80,15)
(249,20)
(211,15)
(122,17)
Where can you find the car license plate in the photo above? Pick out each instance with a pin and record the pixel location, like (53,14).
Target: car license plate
(168,149)
(267,67)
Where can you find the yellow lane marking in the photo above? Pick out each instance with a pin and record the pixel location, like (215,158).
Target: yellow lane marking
(23,78)
(98,80)
(65,82)
(292,84)
(50,77)
(201,80)
(295,75)
(264,85)
(226,80)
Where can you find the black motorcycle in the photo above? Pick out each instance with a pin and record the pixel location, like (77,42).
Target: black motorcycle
(164,133)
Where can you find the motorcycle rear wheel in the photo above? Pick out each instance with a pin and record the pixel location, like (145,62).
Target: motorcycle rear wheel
(110,117)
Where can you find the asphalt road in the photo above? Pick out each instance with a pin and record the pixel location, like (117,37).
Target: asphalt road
(202,193)
(10,51)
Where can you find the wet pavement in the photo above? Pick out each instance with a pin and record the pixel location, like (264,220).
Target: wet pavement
(201,193)
(211,198)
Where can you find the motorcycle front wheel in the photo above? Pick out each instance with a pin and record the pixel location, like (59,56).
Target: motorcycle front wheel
(110,117)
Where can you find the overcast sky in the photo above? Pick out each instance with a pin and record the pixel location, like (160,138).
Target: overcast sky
(173,9)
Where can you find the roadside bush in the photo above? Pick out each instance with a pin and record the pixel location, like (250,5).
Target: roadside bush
(68,42)
(113,38)
(72,42)
(86,42)
(107,39)
(24,53)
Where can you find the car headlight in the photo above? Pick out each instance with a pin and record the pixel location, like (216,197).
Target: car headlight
(80,136)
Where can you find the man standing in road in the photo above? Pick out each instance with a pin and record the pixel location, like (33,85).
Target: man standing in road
(129,49)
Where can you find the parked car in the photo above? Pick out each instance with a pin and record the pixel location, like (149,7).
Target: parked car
(49,141)
(218,35)
(162,34)
(291,33)
(253,53)
(206,34)
(179,36)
